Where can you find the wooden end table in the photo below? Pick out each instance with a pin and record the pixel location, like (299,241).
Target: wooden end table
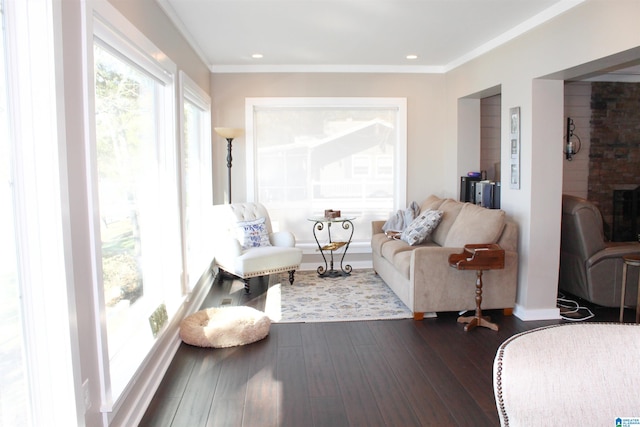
(479,257)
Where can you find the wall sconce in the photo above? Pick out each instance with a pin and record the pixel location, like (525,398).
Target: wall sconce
(572,143)
(229,134)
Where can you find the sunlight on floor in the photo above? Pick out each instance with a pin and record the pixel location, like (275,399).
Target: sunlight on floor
(273,304)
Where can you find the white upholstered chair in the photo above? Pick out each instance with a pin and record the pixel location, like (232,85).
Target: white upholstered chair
(577,374)
(246,246)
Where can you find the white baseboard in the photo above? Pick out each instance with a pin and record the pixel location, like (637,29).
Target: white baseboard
(527,314)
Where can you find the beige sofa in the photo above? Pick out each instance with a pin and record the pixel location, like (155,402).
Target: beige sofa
(421,276)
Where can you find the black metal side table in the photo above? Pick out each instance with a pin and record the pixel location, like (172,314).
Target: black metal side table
(319,224)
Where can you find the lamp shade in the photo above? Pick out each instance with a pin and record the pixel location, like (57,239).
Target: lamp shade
(229,133)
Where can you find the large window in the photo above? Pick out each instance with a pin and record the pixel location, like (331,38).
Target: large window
(137,186)
(37,362)
(310,154)
(196,174)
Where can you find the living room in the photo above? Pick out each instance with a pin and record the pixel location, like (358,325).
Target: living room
(443,135)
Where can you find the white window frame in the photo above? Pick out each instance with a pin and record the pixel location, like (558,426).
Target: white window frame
(191,92)
(118,35)
(34,46)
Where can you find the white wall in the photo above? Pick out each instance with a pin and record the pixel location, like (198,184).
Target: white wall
(589,37)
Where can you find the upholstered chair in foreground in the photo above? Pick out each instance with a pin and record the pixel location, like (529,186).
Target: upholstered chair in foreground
(571,374)
(246,245)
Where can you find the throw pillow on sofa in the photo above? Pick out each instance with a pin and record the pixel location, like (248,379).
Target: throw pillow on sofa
(421,228)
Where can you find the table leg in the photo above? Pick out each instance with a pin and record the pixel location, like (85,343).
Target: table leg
(478,319)
(346,269)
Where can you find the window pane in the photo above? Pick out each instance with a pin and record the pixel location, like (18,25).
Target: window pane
(14,395)
(193,192)
(309,159)
(139,259)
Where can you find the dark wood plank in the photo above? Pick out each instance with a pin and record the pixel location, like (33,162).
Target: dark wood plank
(360,333)
(263,390)
(462,358)
(160,412)
(321,376)
(165,403)
(328,412)
(352,378)
(417,388)
(388,392)
(198,394)
(294,408)
(289,336)
(461,404)
(227,405)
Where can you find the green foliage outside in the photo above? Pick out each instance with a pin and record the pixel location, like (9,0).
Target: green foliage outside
(124,99)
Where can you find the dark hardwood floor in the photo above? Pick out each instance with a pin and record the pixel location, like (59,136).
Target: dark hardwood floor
(374,373)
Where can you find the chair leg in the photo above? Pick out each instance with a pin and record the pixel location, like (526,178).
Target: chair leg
(291,273)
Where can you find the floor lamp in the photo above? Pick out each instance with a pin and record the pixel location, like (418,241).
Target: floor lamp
(229,134)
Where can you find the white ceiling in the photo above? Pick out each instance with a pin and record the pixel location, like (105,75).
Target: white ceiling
(352,35)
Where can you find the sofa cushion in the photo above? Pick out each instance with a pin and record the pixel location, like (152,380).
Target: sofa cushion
(475,224)
(377,240)
(393,247)
(421,228)
(402,263)
(450,209)
(432,202)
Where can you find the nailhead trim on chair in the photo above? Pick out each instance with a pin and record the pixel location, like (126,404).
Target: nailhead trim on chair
(270,271)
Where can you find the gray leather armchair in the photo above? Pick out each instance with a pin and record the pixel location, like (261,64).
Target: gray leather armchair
(590,267)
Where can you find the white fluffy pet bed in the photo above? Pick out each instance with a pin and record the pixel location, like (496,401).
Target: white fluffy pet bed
(224,327)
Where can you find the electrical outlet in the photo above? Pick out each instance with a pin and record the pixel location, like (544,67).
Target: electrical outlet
(157,319)
(86,394)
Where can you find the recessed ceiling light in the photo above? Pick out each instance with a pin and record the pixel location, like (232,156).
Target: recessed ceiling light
(257,55)
(412,56)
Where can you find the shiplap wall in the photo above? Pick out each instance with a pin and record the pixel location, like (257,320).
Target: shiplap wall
(490,136)
(577,105)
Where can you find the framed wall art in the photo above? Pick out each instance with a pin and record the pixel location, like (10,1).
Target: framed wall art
(514,138)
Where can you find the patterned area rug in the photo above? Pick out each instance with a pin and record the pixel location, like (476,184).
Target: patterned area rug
(361,296)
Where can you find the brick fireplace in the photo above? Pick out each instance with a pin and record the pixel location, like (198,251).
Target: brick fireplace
(614,158)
